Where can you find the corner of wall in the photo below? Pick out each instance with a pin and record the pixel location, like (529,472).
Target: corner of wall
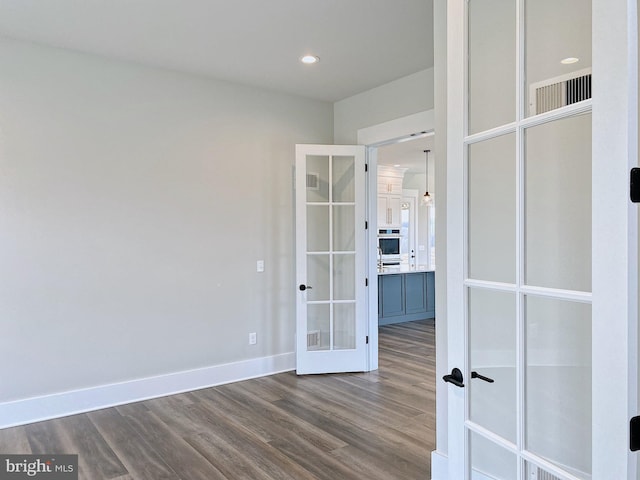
(397,99)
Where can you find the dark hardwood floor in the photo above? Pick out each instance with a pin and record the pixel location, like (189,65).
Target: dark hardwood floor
(377,425)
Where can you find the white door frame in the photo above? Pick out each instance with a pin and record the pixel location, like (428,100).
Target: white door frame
(373,137)
(615,222)
(614,269)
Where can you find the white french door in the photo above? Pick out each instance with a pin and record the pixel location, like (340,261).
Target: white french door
(541,239)
(331,308)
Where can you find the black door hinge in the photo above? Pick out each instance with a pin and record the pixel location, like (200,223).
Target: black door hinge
(366,225)
(366,282)
(634,185)
(366,167)
(367,339)
(634,434)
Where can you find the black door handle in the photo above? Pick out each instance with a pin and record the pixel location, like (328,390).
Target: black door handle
(304,287)
(482,377)
(455,377)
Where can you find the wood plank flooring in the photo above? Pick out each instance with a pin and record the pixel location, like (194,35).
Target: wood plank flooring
(376,425)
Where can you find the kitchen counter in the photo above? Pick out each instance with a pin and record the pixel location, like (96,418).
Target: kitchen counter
(391,269)
(405,294)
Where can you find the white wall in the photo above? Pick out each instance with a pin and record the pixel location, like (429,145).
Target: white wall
(397,99)
(134,203)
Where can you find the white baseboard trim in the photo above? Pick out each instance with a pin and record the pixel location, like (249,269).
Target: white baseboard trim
(439,466)
(36,409)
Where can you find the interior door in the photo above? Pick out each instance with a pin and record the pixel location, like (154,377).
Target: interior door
(529,241)
(332,320)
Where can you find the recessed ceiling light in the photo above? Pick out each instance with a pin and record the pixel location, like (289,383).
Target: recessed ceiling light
(569,60)
(309,59)
(397,165)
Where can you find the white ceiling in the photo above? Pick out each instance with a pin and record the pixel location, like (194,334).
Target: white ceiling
(409,154)
(361,43)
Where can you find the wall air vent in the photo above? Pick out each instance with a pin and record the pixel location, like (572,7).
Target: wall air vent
(559,91)
(536,473)
(313,339)
(313,181)
(542,475)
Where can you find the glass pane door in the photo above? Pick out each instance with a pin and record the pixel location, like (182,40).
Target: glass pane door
(527,274)
(542,240)
(330,259)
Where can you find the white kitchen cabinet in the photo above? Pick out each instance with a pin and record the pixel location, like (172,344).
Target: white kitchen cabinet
(390,185)
(389,211)
(389,196)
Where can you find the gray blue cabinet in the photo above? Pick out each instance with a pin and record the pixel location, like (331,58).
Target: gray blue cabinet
(404,297)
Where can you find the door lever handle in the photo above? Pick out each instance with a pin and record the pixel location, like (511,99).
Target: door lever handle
(482,377)
(304,287)
(455,377)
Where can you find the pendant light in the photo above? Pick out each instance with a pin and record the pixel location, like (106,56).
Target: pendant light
(426,198)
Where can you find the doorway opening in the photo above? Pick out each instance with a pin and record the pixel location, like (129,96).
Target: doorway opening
(396,151)
(405,159)
(402,299)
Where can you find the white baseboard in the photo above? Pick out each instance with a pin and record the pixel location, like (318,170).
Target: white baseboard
(439,466)
(36,409)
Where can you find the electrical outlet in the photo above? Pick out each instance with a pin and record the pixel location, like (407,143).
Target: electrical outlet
(253,338)
(260,266)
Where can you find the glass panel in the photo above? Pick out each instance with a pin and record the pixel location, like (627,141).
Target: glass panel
(557,30)
(344,277)
(558,382)
(343,179)
(492,63)
(318,327)
(558,204)
(318,277)
(492,340)
(491,460)
(344,230)
(492,209)
(317,178)
(317,228)
(344,326)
